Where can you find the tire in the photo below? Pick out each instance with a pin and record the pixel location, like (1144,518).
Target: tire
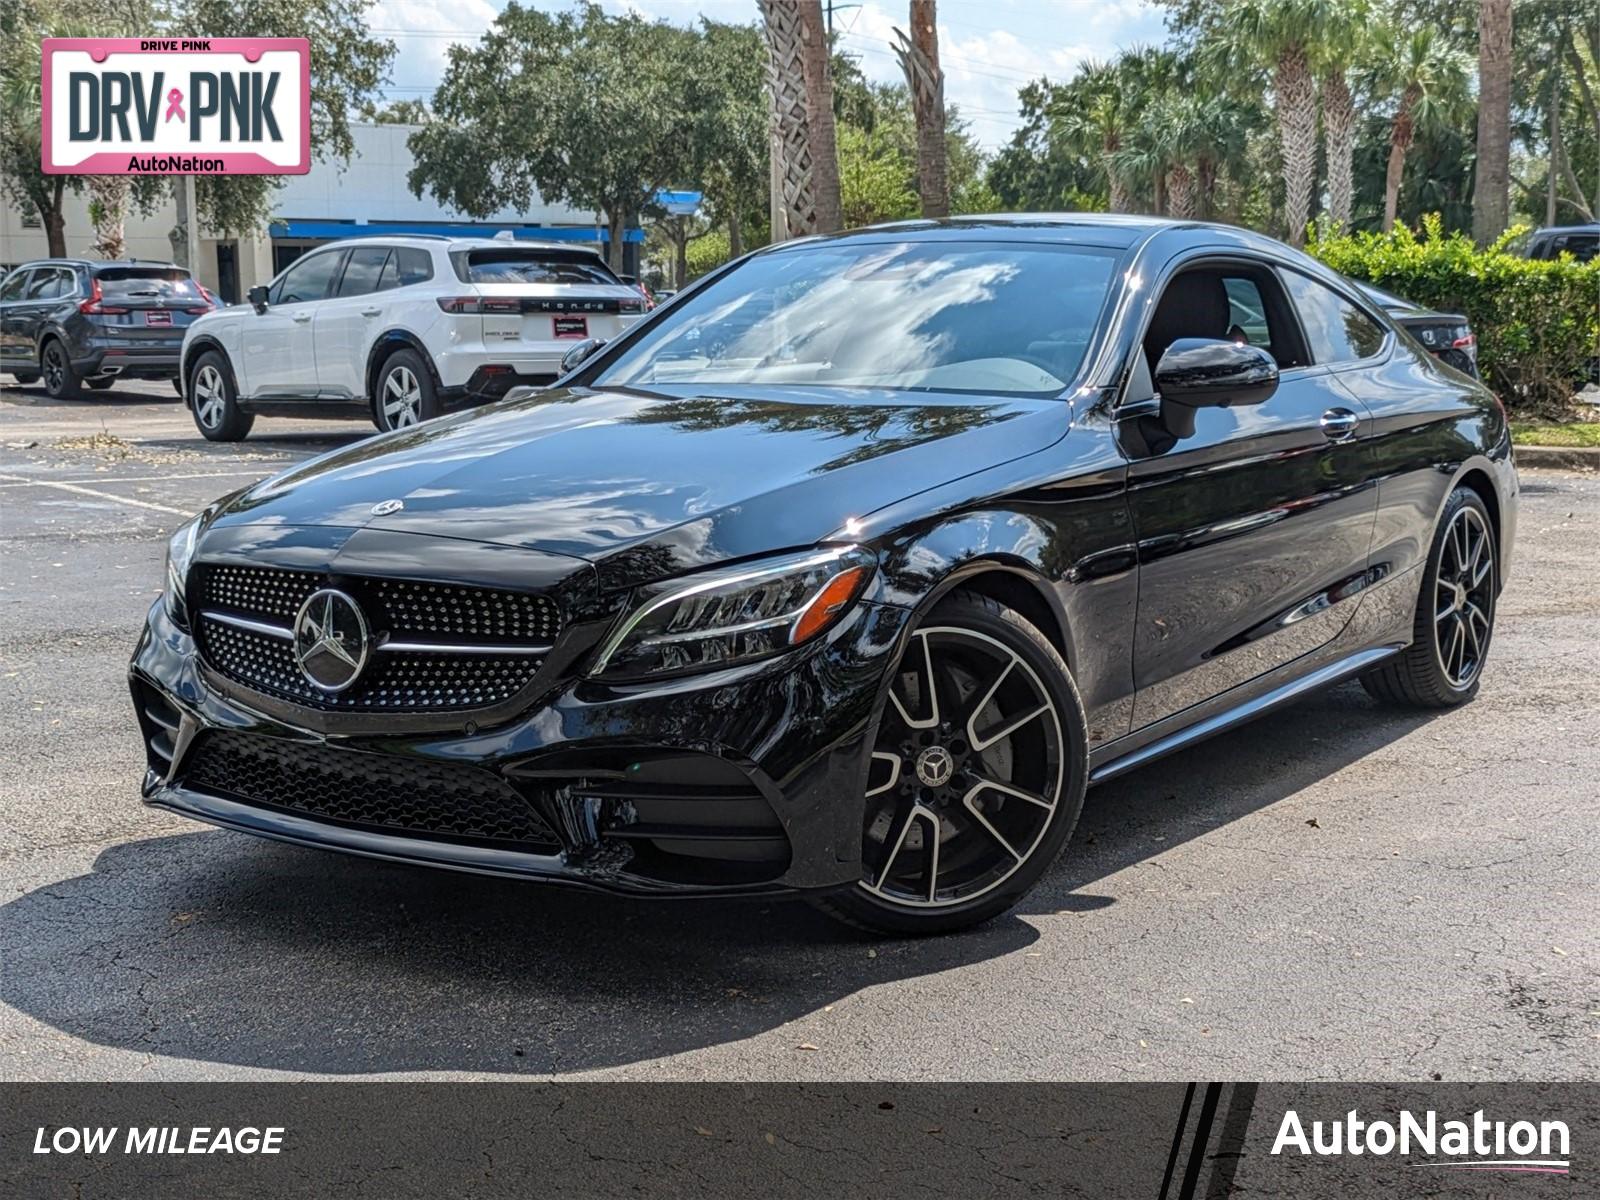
(24,378)
(215,400)
(61,382)
(404,395)
(1455,614)
(99,385)
(1003,809)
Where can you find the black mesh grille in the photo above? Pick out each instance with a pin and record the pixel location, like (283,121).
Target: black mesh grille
(472,622)
(263,592)
(376,791)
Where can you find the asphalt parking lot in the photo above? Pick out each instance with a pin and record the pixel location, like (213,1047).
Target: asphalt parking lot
(1338,891)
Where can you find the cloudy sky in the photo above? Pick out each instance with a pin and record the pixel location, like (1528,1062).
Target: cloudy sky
(989,48)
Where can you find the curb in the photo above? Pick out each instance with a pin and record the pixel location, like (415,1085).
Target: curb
(1561,458)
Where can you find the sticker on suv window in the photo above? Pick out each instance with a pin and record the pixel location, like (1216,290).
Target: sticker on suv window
(571,327)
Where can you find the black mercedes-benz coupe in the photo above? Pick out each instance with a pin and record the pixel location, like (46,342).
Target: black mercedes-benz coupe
(842,575)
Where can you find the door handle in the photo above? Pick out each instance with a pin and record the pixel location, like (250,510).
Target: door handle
(372,312)
(301,318)
(1339,424)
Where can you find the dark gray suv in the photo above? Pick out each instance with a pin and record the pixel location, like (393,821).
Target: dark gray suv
(76,323)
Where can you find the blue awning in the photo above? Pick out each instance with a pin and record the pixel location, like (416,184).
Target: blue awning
(328,230)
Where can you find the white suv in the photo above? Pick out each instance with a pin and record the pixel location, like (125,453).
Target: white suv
(399,329)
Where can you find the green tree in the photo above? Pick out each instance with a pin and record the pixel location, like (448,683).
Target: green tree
(874,182)
(1491,195)
(1336,52)
(1284,36)
(578,107)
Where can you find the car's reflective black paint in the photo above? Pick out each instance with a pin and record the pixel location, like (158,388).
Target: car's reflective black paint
(1193,563)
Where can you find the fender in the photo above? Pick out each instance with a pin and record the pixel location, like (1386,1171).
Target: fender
(194,350)
(384,344)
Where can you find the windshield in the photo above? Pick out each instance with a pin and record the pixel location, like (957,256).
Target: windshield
(146,281)
(532,266)
(983,317)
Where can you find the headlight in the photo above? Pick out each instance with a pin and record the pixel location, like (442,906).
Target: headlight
(735,615)
(180,551)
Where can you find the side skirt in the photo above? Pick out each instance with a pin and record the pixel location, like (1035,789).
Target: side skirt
(1246,710)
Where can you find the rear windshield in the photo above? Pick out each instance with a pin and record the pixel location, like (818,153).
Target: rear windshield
(514,265)
(146,281)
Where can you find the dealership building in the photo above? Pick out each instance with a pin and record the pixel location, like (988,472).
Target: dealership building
(367,195)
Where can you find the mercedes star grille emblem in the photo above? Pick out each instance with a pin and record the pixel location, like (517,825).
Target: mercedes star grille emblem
(330,640)
(384,507)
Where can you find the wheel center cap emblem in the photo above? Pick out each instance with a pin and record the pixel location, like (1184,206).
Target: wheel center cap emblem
(331,643)
(935,766)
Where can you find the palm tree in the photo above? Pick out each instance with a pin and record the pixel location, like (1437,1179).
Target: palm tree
(1284,35)
(1491,188)
(1428,78)
(805,157)
(919,59)
(1340,47)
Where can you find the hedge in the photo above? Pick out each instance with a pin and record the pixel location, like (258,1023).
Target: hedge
(1537,323)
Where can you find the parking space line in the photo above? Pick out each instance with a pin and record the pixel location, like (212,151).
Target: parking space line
(98,495)
(25,482)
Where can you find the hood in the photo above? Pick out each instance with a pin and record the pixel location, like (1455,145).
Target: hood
(649,484)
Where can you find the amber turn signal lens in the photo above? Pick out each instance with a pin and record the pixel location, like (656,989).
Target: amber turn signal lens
(827,604)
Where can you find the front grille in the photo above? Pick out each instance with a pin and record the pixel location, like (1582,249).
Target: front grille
(463,647)
(408,796)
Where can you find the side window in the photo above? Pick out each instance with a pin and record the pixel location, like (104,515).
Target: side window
(11,289)
(389,277)
(1247,311)
(46,284)
(1336,330)
(309,279)
(71,283)
(362,272)
(416,266)
(1225,302)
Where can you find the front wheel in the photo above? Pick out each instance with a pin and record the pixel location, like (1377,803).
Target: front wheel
(1455,614)
(405,393)
(215,400)
(977,775)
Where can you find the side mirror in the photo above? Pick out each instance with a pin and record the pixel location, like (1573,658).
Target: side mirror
(579,354)
(1206,372)
(258,297)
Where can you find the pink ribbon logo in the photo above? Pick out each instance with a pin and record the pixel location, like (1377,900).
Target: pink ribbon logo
(175,105)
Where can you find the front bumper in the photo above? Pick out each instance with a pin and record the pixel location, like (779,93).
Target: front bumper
(746,781)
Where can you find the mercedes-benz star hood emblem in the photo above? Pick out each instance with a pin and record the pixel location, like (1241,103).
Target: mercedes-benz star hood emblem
(384,507)
(330,640)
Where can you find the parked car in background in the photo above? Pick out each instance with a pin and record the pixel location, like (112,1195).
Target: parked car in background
(77,323)
(399,329)
(1446,336)
(643,288)
(1580,241)
(844,574)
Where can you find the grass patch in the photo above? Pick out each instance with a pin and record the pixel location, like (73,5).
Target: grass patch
(1542,433)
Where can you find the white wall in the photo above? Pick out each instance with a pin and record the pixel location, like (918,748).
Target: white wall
(373,188)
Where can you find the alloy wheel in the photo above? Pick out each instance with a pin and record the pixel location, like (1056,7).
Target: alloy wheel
(402,398)
(966,772)
(210,399)
(1464,597)
(55,367)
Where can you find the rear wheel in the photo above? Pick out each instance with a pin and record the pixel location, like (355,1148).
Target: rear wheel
(99,385)
(405,393)
(61,382)
(977,774)
(216,401)
(1455,614)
